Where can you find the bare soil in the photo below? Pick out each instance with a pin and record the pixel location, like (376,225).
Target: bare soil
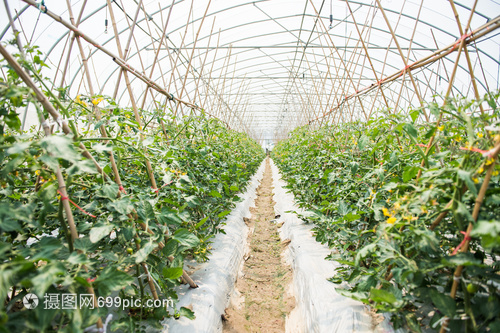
(264,302)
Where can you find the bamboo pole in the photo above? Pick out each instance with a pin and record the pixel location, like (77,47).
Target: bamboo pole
(131,94)
(120,73)
(211,70)
(203,64)
(115,58)
(158,51)
(467,57)
(475,214)
(450,86)
(405,61)
(367,55)
(192,54)
(94,107)
(481,31)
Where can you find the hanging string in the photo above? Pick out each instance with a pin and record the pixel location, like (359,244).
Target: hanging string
(331,14)
(106,20)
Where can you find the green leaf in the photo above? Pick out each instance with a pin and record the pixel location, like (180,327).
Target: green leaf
(60,147)
(351,217)
(435,111)
(47,275)
(384,296)
(169,217)
(184,237)
(185,312)
(461,259)
(332,176)
(122,206)
(412,322)
(112,279)
(224,213)
(444,303)
(215,194)
(414,115)
(363,141)
(82,167)
(144,252)
(109,191)
(411,130)
(462,211)
(193,201)
(18,147)
(354,167)
(466,177)
(489,233)
(100,148)
(409,173)
(234,188)
(202,222)
(172,273)
(99,232)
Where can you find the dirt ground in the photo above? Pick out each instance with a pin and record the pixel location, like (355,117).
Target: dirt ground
(264,301)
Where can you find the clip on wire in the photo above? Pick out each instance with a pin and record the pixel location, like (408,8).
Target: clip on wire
(42,7)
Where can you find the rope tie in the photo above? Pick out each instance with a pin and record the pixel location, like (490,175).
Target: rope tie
(485,153)
(405,69)
(460,40)
(74,204)
(466,238)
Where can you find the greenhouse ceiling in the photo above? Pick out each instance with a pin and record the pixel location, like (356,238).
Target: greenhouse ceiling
(264,67)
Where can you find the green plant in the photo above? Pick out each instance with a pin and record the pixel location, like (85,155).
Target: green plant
(132,239)
(399,233)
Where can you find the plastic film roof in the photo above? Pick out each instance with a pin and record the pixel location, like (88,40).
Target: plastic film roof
(265,66)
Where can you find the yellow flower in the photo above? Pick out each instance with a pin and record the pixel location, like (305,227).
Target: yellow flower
(441,127)
(391,220)
(397,205)
(495,173)
(458,139)
(475,180)
(79,101)
(184,173)
(481,170)
(96,101)
(386,212)
(489,161)
(37,172)
(479,135)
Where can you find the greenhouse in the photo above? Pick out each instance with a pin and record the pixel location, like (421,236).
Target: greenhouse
(250,166)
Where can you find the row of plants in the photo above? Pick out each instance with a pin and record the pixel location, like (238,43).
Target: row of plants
(160,194)
(411,210)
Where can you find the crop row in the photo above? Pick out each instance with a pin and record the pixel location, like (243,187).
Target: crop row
(411,210)
(110,207)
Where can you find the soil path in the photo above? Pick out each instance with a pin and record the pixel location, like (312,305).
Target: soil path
(264,301)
